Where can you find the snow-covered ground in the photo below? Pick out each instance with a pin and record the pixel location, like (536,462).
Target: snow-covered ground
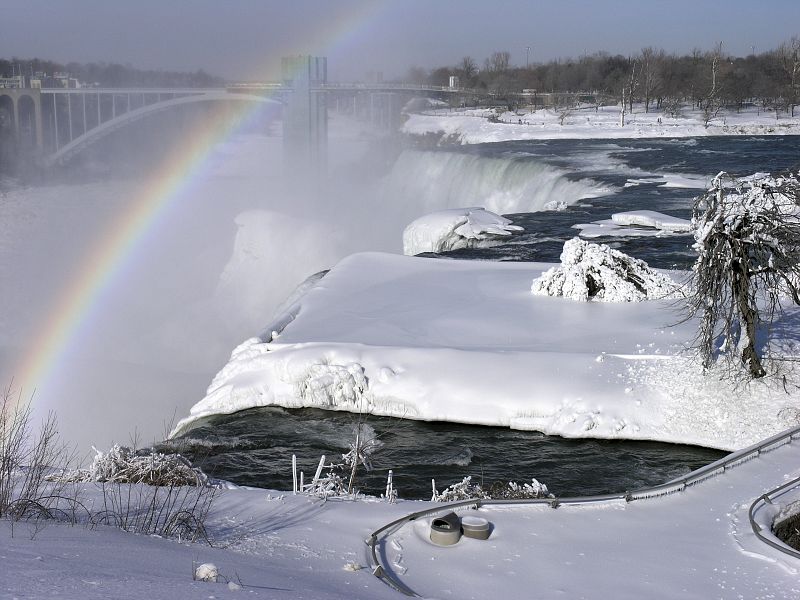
(696,543)
(472,126)
(467,341)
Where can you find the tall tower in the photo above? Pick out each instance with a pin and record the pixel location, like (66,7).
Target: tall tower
(305,122)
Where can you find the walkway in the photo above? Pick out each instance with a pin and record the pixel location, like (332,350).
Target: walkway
(695,543)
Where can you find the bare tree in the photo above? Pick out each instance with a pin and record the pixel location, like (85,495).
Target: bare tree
(711,104)
(650,60)
(629,88)
(467,67)
(748,236)
(498,62)
(789,57)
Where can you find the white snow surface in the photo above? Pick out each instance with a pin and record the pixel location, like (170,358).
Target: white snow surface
(599,273)
(466,341)
(696,543)
(456,228)
(473,127)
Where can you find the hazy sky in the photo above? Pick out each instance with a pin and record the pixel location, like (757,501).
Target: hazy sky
(244,39)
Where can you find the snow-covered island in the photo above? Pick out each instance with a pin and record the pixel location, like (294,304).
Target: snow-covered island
(467,341)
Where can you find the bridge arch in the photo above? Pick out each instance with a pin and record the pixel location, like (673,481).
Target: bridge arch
(97,133)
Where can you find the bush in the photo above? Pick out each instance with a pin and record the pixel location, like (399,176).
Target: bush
(26,458)
(466,490)
(148,492)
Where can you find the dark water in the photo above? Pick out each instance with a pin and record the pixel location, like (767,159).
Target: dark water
(255,447)
(614,163)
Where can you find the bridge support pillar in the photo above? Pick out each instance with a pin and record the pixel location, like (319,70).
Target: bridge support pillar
(305,121)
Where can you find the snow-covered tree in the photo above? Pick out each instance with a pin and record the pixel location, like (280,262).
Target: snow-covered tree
(747,233)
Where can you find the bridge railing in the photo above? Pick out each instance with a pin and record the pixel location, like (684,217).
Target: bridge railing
(674,486)
(132,91)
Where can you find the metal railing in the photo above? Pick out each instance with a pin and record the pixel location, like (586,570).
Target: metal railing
(676,485)
(760,503)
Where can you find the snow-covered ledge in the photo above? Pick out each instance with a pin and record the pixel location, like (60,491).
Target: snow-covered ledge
(466,341)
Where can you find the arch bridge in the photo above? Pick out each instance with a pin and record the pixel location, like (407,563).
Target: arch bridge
(56,123)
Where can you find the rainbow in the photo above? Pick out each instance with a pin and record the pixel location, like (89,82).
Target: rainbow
(108,258)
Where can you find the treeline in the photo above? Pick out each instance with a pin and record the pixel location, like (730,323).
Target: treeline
(108,74)
(652,76)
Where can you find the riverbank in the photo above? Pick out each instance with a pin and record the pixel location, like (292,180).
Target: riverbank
(474,126)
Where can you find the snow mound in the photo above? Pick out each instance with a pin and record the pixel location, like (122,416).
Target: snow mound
(207,572)
(456,228)
(595,271)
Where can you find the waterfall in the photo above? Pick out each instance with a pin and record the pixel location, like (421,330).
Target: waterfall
(435,180)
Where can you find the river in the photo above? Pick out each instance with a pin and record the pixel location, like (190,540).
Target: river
(586,180)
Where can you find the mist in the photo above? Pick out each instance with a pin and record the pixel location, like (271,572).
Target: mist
(204,276)
(227,249)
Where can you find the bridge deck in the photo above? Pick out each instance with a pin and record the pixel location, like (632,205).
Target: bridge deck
(693,544)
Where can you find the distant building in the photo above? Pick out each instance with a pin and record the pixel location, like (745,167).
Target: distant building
(17,81)
(454,82)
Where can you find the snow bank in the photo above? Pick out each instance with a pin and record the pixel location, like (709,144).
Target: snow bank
(456,228)
(474,126)
(465,341)
(597,272)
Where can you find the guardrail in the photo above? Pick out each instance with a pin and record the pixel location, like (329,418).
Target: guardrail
(676,485)
(761,502)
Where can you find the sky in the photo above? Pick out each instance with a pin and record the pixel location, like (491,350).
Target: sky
(243,40)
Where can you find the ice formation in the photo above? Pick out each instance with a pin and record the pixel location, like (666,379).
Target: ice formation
(456,228)
(651,218)
(595,271)
(635,223)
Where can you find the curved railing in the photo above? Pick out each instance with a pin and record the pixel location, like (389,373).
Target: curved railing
(761,502)
(676,485)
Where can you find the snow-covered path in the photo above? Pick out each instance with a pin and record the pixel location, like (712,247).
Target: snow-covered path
(694,544)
